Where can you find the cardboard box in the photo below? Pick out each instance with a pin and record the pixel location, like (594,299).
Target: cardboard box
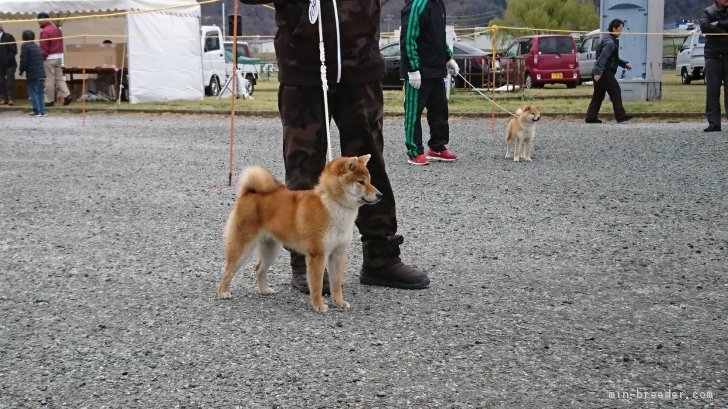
(94,55)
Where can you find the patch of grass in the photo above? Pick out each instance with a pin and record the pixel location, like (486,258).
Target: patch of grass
(553,99)
(557,99)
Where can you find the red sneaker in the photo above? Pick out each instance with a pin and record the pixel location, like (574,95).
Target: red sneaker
(443,155)
(420,160)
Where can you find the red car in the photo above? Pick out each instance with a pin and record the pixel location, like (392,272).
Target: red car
(547,59)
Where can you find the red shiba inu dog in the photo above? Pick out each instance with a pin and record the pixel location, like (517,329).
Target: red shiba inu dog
(522,130)
(317,223)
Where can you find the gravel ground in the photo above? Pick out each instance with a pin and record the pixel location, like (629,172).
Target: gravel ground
(598,268)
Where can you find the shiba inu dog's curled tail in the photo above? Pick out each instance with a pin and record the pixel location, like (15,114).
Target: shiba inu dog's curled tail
(257,180)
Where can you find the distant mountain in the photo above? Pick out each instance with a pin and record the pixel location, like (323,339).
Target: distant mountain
(259,19)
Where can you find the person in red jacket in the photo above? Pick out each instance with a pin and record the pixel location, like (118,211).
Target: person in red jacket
(51,47)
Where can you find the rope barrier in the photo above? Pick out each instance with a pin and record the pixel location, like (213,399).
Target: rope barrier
(204,2)
(474,88)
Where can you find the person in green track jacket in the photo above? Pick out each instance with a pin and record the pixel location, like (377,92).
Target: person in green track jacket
(426,60)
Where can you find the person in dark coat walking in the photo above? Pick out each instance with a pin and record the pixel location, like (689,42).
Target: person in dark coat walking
(31,63)
(605,69)
(715,21)
(8,51)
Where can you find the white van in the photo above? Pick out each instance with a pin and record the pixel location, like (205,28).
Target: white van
(587,54)
(213,59)
(690,60)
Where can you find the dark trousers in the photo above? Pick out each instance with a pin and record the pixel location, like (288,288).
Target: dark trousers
(431,95)
(358,111)
(7,83)
(716,73)
(607,84)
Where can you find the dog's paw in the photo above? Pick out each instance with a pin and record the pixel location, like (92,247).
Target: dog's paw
(266,291)
(223,295)
(343,304)
(528,159)
(321,307)
(516,159)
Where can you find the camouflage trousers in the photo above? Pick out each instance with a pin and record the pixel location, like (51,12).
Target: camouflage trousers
(358,111)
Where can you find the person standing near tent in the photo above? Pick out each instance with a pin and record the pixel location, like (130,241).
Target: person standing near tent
(51,47)
(31,63)
(355,70)
(8,51)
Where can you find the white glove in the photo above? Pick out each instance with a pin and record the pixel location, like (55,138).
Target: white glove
(452,68)
(415,79)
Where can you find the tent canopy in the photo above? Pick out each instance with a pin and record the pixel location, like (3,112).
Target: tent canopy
(33,7)
(163,48)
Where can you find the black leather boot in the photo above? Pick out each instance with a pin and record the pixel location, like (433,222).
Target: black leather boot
(299,281)
(383,267)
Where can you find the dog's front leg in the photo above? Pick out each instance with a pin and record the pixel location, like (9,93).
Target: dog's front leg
(337,269)
(517,149)
(315,276)
(528,149)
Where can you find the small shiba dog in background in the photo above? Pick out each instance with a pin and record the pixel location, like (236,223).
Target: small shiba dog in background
(317,223)
(522,130)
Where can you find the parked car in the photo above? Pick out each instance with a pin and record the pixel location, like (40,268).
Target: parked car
(587,55)
(213,59)
(471,61)
(547,59)
(690,61)
(247,64)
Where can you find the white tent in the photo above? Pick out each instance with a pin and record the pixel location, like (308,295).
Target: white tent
(163,39)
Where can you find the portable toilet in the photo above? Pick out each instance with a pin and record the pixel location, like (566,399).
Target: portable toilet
(640,45)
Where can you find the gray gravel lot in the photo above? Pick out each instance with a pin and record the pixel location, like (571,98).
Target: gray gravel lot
(598,268)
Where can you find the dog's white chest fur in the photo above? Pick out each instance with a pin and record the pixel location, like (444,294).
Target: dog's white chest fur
(528,131)
(341,226)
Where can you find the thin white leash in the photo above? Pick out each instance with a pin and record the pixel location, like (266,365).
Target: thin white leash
(324,82)
(484,96)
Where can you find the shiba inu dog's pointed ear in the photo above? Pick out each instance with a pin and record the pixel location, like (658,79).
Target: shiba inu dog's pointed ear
(364,159)
(351,163)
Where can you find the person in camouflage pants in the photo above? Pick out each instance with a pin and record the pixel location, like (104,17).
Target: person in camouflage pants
(355,69)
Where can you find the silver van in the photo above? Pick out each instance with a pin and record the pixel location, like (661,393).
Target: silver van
(587,54)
